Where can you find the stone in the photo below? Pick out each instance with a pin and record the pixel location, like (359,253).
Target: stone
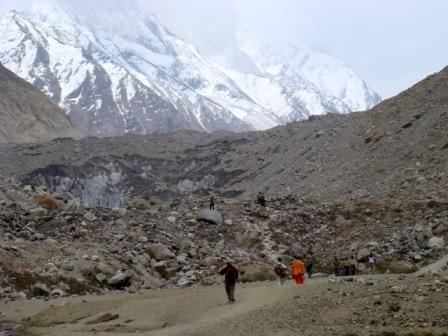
(37,236)
(57,293)
(184,282)
(24,235)
(210,261)
(251,271)
(296,250)
(169,273)
(209,216)
(171,219)
(103,318)
(38,212)
(401,267)
(88,216)
(142,240)
(101,277)
(228,222)
(159,252)
(441,228)
(436,242)
(363,254)
(120,280)
(40,289)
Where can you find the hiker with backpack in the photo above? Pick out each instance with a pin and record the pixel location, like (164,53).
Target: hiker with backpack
(280,271)
(230,278)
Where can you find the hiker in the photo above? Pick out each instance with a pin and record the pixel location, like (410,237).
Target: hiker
(336,266)
(298,270)
(372,262)
(309,265)
(353,265)
(280,271)
(346,266)
(212,203)
(230,278)
(260,199)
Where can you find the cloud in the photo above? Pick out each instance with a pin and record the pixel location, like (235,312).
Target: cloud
(392,44)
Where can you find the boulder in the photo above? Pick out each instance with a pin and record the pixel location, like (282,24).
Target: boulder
(24,235)
(90,217)
(401,267)
(159,252)
(209,216)
(251,271)
(120,280)
(57,293)
(168,273)
(441,228)
(184,282)
(210,261)
(40,289)
(296,250)
(436,242)
(363,254)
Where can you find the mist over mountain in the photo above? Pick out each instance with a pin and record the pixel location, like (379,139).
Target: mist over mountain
(116,70)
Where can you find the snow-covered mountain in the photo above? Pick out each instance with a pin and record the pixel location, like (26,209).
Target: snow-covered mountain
(120,72)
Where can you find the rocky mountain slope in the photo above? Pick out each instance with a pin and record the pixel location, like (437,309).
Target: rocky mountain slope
(120,73)
(27,115)
(397,149)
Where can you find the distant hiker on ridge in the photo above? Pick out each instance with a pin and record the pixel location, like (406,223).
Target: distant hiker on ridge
(346,266)
(309,265)
(260,199)
(336,266)
(280,271)
(298,270)
(372,262)
(230,278)
(212,203)
(353,265)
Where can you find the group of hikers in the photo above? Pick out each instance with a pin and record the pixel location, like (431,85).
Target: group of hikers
(298,269)
(260,200)
(341,267)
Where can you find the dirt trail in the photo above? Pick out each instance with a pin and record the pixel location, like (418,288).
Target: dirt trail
(320,307)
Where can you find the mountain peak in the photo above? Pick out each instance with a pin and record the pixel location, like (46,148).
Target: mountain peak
(119,71)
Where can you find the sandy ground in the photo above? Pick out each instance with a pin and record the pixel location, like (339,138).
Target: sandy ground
(364,305)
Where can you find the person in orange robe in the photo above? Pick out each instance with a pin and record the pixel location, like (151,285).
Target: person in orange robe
(298,270)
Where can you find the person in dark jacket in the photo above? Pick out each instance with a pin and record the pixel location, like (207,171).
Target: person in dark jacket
(212,203)
(230,278)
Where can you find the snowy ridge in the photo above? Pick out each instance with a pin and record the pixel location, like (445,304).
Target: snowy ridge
(117,73)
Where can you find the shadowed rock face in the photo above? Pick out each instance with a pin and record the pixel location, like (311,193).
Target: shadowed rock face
(27,115)
(107,182)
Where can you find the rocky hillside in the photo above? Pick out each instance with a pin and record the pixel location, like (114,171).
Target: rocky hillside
(27,115)
(397,149)
(53,245)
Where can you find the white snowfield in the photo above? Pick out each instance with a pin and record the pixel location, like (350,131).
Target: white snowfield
(120,72)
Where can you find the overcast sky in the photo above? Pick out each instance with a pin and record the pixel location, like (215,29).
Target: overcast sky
(391,43)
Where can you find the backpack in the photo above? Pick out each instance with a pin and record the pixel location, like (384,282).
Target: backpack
(279,270)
